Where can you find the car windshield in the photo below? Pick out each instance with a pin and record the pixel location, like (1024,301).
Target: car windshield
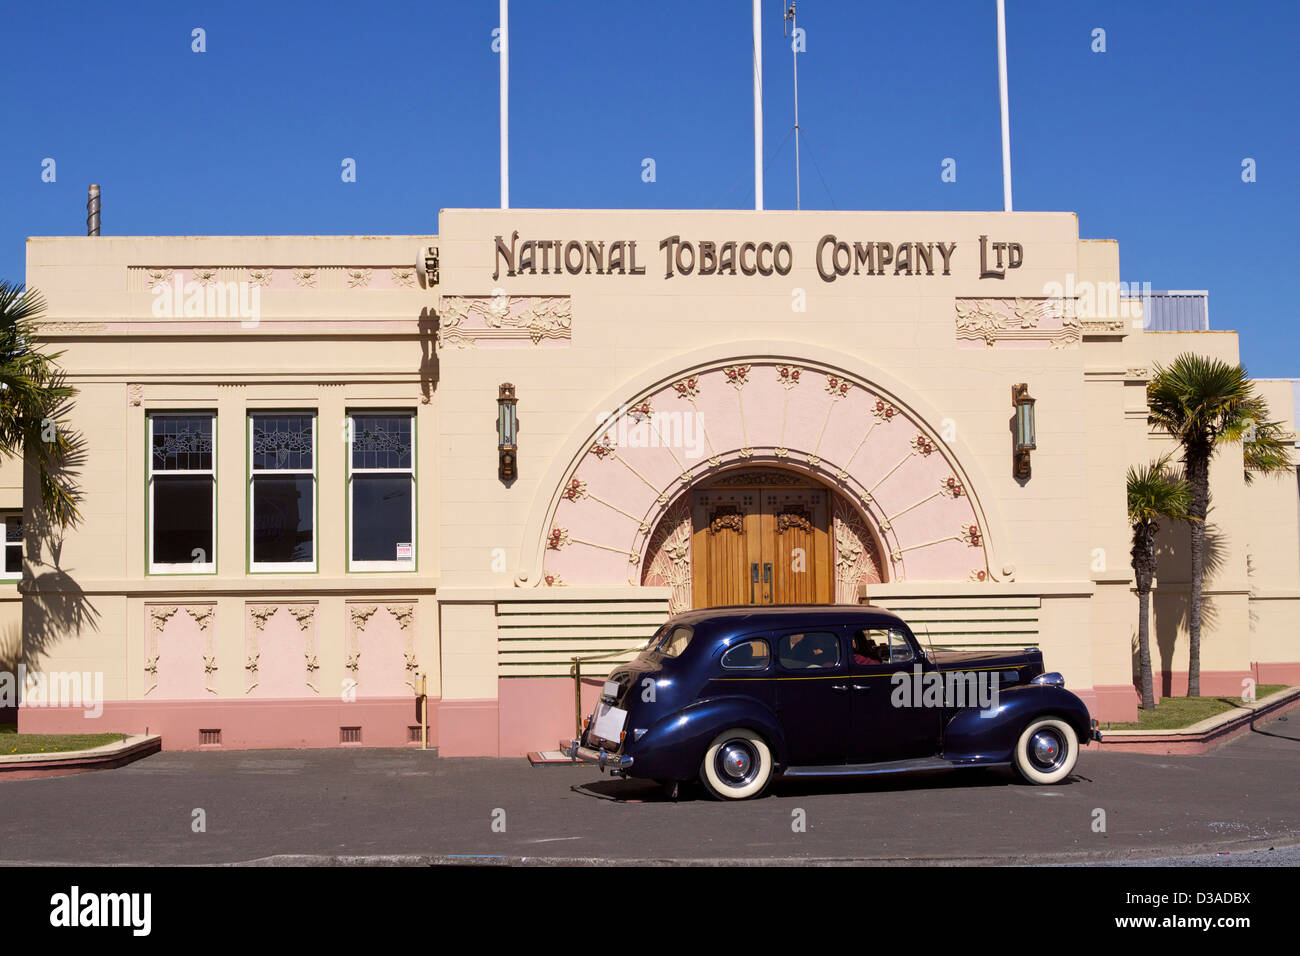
(675,641)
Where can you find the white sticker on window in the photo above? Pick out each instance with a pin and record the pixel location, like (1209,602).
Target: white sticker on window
(404,551)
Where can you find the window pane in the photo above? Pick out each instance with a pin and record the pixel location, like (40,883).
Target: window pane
(282,442)
(381,516)
(182,442)
(13,528)
(13,559)
(752,655)
(182,520)
(381,441)
(803,651)
(283,518)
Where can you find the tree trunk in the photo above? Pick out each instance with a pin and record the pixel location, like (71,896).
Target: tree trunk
(1144,647)
(1144,547)
(1198,476)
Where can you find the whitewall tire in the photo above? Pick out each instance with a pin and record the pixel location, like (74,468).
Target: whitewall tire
(1047,751)
(737,765)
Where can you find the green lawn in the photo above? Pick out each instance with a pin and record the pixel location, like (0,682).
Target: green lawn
(12,742)
(1172,713)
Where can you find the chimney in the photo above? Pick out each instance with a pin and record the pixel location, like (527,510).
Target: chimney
(92,211)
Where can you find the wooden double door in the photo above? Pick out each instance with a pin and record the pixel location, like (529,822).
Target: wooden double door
(760,544)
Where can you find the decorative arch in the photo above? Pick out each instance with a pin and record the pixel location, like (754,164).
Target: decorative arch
(854,436)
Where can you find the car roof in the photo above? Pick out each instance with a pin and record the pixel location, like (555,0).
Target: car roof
(785,615)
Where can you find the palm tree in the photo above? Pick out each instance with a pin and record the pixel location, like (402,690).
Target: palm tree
(34,397)
(1204,403)
(1154,495)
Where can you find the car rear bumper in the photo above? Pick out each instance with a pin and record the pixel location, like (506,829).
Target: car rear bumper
(616,764)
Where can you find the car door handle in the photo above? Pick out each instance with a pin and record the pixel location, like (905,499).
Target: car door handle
(839,688)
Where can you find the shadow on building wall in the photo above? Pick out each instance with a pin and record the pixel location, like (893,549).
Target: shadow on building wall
(1171,608)
(55,607)
(428,327)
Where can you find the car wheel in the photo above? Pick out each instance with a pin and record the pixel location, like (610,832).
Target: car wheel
(737,765)
(1047,751)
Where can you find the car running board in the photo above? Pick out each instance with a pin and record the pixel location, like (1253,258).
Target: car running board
(913,765)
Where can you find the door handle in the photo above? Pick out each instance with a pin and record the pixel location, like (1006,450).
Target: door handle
(753,579)
(839,688)
(767,580)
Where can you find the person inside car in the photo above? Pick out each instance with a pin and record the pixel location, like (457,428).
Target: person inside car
(866,651)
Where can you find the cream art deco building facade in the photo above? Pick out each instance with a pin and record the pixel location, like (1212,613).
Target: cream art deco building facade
(294,512)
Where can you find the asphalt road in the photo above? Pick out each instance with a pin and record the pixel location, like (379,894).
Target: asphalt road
(322,806)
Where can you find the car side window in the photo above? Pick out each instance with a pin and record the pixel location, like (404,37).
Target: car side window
(748,656)
(900,649)
(812,650)
(879,645)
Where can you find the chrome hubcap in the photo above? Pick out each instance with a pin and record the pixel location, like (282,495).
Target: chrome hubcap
(736,761)
(1046,749)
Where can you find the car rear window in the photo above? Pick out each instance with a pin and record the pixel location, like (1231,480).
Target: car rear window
(676,640)
(749,656)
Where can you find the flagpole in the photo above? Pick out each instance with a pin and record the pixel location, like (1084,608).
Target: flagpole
(758,106)
(1006,118)
(505,104)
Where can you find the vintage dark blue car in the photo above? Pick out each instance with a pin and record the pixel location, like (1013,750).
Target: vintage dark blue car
(735,697)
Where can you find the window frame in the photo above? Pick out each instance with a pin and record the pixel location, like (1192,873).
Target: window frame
(5,516)
(751,668)
(840,664)
(284,567)
(382,567)
(154,567)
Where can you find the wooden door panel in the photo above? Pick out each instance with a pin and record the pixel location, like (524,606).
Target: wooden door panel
(795,534)
(725,543)
(782,533)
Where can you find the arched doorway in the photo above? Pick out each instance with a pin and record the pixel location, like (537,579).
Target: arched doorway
(762,536)
(898,503)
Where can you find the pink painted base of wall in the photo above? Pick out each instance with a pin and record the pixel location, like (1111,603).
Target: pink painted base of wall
(1284,672)
(1213,683)
(1114,702)
(244,724)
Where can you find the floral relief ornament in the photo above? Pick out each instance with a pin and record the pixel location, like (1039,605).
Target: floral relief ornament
(358,278)
(557,539)
(260,277)
(687,388)
(306,278)
(883,411)
(922,445)
(737,375)
(787,375)
(837,387)
(602,447)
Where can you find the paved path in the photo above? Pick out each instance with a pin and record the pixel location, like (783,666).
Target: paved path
(407,806)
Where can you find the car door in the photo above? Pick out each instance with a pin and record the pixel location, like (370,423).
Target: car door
(887,725)
(812,695)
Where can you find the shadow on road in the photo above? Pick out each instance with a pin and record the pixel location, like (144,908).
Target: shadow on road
(647,791)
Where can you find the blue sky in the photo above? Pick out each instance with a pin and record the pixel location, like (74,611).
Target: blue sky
(1145,141)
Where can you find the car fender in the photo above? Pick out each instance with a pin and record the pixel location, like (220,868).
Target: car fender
(991,733)
(673,747)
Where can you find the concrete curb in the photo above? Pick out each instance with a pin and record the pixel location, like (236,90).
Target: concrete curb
(62,763)
(1204,735)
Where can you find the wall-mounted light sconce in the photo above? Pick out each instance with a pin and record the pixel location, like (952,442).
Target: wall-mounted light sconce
(1026,441)
(507,433)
